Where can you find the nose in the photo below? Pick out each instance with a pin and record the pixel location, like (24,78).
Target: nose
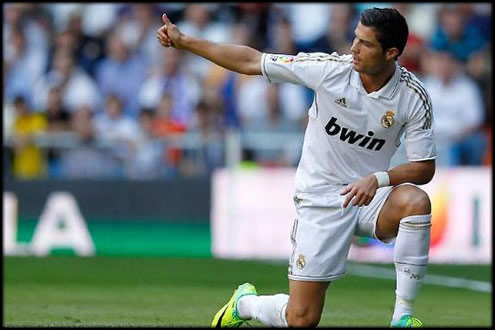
(354,48)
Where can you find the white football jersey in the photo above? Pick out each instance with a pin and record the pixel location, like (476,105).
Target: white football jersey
(351,133)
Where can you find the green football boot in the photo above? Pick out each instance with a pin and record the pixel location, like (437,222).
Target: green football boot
(228,316)
(407,321)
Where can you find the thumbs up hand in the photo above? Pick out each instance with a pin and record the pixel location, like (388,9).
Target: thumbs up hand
(168,34)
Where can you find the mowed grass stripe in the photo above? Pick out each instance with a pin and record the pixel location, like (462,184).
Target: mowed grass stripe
(387,273)
(186,292)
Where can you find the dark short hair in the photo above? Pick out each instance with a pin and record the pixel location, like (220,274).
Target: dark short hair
(391,27)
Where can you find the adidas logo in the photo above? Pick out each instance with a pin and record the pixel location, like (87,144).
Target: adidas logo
(341,102)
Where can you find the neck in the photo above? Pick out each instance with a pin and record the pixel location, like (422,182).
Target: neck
(374,82)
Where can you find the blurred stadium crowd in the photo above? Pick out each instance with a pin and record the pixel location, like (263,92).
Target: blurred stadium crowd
(89,92)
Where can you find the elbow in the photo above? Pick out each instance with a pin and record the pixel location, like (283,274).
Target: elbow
(424,171)
(429,172)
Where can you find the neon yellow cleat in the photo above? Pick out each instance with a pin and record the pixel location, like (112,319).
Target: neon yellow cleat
(228,316)
(407,321)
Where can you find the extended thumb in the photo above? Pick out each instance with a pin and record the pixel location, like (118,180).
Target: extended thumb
(165,19)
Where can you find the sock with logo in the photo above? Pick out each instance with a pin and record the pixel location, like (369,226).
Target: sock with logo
(269,310)
(411,260)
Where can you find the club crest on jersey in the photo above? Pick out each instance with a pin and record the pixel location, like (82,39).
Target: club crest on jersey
(284,59)
(388,119)
(300,263)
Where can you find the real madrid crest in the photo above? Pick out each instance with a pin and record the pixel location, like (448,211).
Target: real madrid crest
(300,263)
(388,119)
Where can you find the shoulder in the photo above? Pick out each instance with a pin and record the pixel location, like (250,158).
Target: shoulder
(332,66)
(419,103)
(334,57)
(412,86)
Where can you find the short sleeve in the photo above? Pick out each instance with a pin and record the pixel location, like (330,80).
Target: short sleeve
(419,135)
(307,69)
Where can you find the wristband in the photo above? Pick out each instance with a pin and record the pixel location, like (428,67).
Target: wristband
(382,178)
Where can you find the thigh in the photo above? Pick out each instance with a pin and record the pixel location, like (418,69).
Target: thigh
(306,299)
(321,238)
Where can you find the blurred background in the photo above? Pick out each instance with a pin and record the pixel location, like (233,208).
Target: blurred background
(141,137)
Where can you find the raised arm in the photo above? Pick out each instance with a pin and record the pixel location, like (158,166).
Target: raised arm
(238,58)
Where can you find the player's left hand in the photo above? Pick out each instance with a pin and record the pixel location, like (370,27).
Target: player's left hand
(363,191)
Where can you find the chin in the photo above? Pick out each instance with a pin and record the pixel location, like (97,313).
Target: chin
(356,68)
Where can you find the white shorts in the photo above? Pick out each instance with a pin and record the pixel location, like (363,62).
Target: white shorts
(321,235)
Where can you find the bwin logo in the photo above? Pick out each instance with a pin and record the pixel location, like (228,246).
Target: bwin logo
(351,137)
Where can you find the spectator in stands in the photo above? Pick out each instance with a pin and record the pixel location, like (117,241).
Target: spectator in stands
(340,32)
(210,154)
(223,84)
(198,22)
(411,57)
(146,161)
(89,49)
(458,112)
(421,18)
(77,87)
(171,79)
(303,33)
(113,126)
(415,47)
(8,109)
(454,35)
(168,129)
(275,122)
(122,73)
(88,158)
(57,120)
(479,16)
(164,123)
(293,99)
(57,117)
(25,65)
(26,17)
(138,27)
(69,57)
(281,38)
(98,19)
(29,161)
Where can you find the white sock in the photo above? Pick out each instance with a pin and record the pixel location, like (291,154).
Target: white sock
(402,307)
(411,261)
(269,310)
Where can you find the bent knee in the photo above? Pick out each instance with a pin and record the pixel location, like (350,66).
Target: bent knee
(303,318)
(413,200)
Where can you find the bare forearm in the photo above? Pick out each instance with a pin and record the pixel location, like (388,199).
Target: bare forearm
(363,191)
(413,172)
(238,58)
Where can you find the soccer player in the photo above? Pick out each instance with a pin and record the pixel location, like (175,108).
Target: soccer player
(363,103)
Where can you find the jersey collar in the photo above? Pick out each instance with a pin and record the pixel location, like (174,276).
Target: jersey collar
(386,91)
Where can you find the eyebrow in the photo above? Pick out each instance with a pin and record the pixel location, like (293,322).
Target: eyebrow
(363,40)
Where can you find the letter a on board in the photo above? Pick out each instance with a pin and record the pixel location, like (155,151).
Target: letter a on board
(61,225)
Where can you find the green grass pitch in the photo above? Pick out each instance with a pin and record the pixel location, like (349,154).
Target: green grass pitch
(186,292)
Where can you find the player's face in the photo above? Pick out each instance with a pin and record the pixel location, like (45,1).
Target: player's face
(368,55)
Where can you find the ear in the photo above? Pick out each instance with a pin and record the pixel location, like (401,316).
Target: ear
(391,53)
